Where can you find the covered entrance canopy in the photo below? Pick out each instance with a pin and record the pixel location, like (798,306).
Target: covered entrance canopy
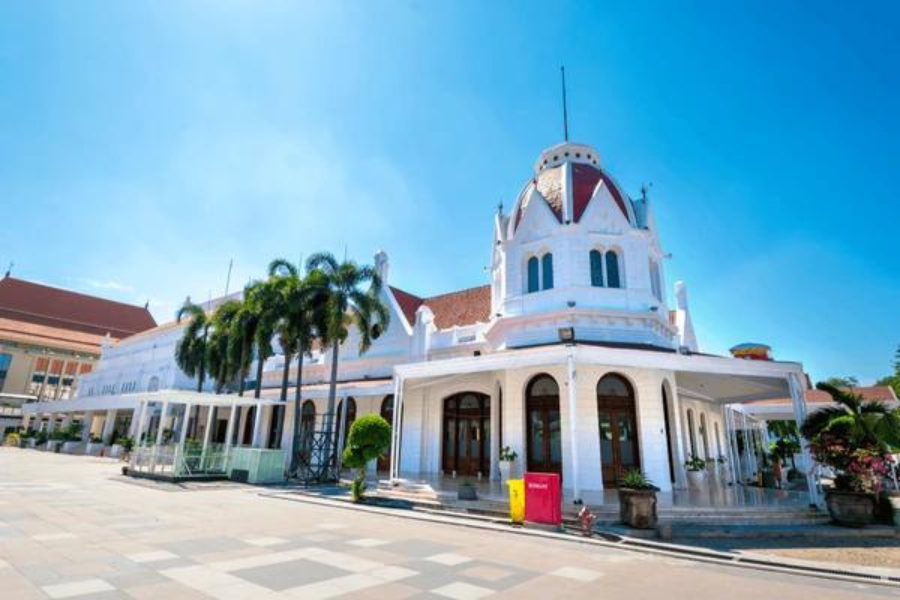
(717,380)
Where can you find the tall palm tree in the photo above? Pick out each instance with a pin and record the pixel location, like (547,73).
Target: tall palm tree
(191,351)
(302,318)
(261,298)
(350,305)
(241,339)
(222,365)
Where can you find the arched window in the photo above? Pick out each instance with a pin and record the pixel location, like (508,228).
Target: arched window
(612,270)
(547,267)
(543,425)
(533,275)
(704,436)
(692,435)
(618,428)
(153,385)
(596,268)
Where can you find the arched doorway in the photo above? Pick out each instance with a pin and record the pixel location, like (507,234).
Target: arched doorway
(467,434)
(668,426)
(544,441)
(618,428)
(307,430)
(344,422)
(387,413)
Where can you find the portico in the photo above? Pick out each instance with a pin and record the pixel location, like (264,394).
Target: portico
(586,411)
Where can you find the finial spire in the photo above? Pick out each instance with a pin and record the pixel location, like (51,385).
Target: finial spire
(562,70)
(500,207)
(9,268)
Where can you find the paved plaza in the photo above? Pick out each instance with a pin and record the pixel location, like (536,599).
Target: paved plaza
(72,527)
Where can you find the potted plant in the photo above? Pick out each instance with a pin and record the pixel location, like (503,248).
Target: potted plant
(12,439)
(696,471)
(95,446)
(466,491)
(855,438)
(122,447)
(508,458)
(637,500)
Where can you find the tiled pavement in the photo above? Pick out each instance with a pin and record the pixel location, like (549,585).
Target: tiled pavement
(69,528)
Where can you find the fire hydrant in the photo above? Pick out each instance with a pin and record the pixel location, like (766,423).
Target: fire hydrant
(587,518)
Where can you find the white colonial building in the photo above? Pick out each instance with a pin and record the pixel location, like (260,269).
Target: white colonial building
(572,356)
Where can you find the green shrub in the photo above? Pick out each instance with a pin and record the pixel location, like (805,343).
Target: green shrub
(13,439)
(635,480)
(126,442)
(370,437)
(695,463)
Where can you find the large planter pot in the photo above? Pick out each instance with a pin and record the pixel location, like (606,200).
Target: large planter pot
(71,447)
(94,449)
(467,492)
(893,499)
(637,508)
(30,443)
(116,451)
(850,509)
(696,478)
(52,445)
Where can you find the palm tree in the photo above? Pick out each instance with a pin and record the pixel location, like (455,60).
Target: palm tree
(222,365)
(349,306)
(261,298)
(191,351)
(863,424)
(241,340)
(302,318)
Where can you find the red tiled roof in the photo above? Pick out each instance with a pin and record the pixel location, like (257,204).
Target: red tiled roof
(463,307)
(63,309)
(409,304)
(874,392)
(584,181)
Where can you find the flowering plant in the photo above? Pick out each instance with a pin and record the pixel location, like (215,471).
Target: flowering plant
(855,438)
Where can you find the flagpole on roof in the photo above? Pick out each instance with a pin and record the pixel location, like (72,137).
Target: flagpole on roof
(562,70)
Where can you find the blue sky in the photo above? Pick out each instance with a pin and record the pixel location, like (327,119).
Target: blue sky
(144,144)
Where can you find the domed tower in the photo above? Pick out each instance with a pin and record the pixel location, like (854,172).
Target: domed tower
(576,251)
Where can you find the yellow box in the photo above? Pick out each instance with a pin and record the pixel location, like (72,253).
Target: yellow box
(516,500)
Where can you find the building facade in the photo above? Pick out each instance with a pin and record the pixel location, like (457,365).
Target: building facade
(572,355)
(50,337)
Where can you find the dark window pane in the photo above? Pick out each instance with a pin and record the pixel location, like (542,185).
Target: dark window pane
(547,264)
(612,270)
(533,283)
(596,269)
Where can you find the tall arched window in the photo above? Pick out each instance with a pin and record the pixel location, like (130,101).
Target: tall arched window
(692,435)
(704,436)
(153,386)
(596,268)
(547,268)
(612,270)
(543,425)
(533,275)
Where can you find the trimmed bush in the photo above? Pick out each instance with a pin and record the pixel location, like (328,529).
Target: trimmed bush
(370,437)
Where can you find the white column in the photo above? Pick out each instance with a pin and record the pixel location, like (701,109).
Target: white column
(395,429)
(231,422)
(26,422)
(206,435)
(136,416)
(729,444)
(494,452)
(798,402)
(51,422)
(185,420)
(162,422)
(573,433)
(257,425)
(109,422)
